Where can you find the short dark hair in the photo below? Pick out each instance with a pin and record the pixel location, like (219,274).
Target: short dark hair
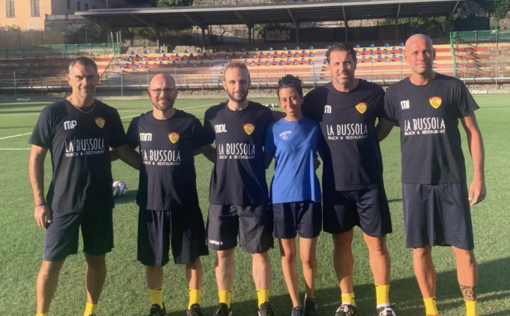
(85,61)
(289,81)
(341,47)
(235,64)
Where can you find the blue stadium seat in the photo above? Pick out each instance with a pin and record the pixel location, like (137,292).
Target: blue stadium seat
(356,46)
(284,48)
(194,66)
(296,55)
(223,65)
(180,66)
(372,52)
(256,49)
(386,52)
(212,58)
(310,55)
(268,56)
(364,57)
(294,63)
(379,57)
(172,51)
(129,59)
(274,59)
(208,65)
(240,57)
(394,56)
(186,51)
(325,62)
(402,51)
(161,62)
(402,59)
(145,51)
(242,49)
(173,62)
(251,64)
(229,50)
(371,45)
(302,59)
(177,55)
(267,63)
(155,58)
(143,59)
(138,67)
(282,55)
(310,62)
(199,50)
(201,61)
(296,48)
(260,60)
(132,52)
(372,60)
(247,53)
(253,56)
(214,50)
(132,63)
(364,49)
(386,60)
(378,49)
(386,45)
(137,56)
(328,47)
(281,63)
(289,52)
(357,53)
(164,55)
(146,62)
(246,60)
(275,53)
(311,47)
(303,51)
(270,48)
(401,44)
(288,58)
(234,53)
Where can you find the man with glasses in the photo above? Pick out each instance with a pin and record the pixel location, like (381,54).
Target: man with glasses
(167,195)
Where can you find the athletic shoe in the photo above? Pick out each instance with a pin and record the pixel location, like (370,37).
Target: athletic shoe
(386,311)
(346,310)
(222,310)
(297,311)
(266,310)
(310,307)
(194,310)
(157,311)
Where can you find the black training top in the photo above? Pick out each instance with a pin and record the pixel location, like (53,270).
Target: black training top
(428,117)
(167,172)
(352,158)
(79,144)
(238,177)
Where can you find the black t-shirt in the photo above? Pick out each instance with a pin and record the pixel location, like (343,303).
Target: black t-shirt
(167,172)
(428,117)
(79,145)
(238,177)
(352,157)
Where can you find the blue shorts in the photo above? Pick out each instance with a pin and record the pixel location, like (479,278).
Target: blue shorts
(304,218)
(367,209)
(437,215)
(61,239)
(253,224)
(184,228)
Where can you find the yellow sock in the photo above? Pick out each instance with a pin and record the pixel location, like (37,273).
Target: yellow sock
(348,298)
(194,297)
(430,306)
(225,297)
(263,296)
(156,296)
(43,314)
(471,308)
(90,309)
(382,293)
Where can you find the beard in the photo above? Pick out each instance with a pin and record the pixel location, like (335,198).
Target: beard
(238,98)
(168,104)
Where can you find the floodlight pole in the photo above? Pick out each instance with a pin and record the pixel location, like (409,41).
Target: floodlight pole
(15,89)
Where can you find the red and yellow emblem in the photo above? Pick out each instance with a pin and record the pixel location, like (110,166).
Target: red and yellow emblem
(173,137)
(249,128)
(100,122)
(361,107)
(435,102)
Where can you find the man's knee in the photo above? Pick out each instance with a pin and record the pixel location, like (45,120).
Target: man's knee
(422,252)
(51,268)
(376,244)
(343,240)
(195,265)
(95,262)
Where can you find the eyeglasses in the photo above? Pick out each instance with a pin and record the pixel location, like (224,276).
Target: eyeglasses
(165,90)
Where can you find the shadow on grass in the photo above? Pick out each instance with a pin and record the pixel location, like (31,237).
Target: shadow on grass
(405,293)
(129,197)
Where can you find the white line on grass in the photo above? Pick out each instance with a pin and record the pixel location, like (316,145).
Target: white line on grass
(184,109)
(6,149)
(12,136)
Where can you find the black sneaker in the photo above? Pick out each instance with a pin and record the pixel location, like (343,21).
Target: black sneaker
(266,310)
(310,307)
(386,311)
(194,310)
(297,311)
(222,310)
(157,311)
(346,310)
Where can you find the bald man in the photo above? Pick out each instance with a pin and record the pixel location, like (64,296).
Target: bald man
(428,107)
(167,195)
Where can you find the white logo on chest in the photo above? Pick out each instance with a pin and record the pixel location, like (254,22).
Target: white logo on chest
(220,128)
(70,124)
(404,104)
(145,137)
(285,135)
(327,109)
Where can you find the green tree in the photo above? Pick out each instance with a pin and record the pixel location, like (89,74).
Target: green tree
(498,8)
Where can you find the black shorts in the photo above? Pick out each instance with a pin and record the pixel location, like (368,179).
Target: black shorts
(302,217)
(253,224)
(184,228)
(367,209)
(437,215)
(61,239)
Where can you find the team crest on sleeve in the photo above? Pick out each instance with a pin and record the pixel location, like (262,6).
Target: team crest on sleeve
(173,137)
(361,107)
(249,128)
(435,102)
(100,122)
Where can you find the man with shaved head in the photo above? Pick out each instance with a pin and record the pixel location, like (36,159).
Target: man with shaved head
(428,107)
(167,195)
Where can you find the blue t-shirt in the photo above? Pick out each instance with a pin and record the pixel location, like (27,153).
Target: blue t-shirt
(294,145)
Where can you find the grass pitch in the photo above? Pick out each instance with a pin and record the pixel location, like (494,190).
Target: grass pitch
(125,289)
